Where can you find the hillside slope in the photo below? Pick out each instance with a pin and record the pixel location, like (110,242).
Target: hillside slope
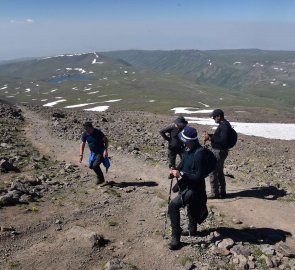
(75,226)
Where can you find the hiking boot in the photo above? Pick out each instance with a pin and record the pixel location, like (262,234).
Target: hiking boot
(175,243)
(99,181)
(212,196)
(222,196)
(190,233)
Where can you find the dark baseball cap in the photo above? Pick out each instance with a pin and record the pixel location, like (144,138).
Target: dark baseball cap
(217,112)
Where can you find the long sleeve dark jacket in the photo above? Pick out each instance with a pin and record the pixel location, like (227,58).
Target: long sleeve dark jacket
(219,140)
(192,170)
(170,134)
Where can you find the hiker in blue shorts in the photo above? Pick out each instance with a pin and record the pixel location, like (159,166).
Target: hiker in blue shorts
(98,145)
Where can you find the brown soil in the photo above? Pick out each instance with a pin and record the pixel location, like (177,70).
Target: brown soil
(132,222)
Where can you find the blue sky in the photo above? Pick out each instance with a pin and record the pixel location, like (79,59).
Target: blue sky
(42,28)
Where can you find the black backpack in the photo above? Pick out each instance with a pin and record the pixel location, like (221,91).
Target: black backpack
(232,138)
(210,160)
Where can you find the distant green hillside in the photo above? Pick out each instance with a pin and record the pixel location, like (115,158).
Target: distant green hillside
(152,80)
(264,73)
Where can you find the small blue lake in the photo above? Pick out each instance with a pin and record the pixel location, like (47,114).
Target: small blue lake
(65,77)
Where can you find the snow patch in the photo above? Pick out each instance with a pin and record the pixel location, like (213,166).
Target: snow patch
(79,105)
(189,110)
(51,104)
(265,130)
(98,109)
(205,105)
(113,100)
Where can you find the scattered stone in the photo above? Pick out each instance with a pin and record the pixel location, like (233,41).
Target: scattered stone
(58,221)
(7,229)
(267,260)
(240,250)
(267,249)
(285,250)
(226,243)
(114,264)
(237,221)
(85,238)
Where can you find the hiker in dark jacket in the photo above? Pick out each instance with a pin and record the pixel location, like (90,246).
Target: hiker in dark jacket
(191,187)
(98,145)
(219,143)
(175,146)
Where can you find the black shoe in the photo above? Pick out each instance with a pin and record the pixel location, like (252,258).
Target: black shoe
(222,196)
(190,233)
(213,196)
(99,181)
(175,243)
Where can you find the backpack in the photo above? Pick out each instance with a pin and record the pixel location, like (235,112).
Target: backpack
(232,139)
(210,160)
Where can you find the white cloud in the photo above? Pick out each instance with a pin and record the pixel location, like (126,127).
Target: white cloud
(22,21)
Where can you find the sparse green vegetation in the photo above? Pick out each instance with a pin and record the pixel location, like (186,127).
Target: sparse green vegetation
(211,206)
(112,223)
(287,198)
(163,203)
(113,192)
(186,259)
(13,264)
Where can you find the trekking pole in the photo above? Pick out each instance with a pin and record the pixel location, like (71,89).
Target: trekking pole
(166,213)
(185,210)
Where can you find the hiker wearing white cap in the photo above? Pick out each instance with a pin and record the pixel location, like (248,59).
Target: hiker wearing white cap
(191,188)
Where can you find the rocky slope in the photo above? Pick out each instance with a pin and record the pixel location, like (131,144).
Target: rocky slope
(56,219)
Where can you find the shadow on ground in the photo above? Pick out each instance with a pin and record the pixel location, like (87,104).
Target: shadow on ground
(133,184)
(250,235)
(268,193)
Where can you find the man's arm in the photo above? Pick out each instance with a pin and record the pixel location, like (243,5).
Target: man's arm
(106,145)
(164,131)
(82,146)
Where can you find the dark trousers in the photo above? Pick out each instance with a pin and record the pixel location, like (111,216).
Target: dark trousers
(172,154)
(96,167)
(216,178)
(186,198)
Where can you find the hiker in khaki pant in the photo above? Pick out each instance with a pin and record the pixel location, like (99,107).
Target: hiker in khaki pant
(219,142)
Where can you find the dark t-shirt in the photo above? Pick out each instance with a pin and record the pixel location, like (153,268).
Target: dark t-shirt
(175,144)
(95,141)
(219,140)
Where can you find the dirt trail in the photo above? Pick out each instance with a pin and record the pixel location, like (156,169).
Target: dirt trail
(146,245)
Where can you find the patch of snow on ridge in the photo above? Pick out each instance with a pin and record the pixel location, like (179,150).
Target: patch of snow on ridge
(113,100)
(50,104)
(189,110)
(205,105)
(151,100)
(63,55)
(265,130)
(91,93)
(95,62)
(79,105)
(77,69)
(98,109)
(4,87)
